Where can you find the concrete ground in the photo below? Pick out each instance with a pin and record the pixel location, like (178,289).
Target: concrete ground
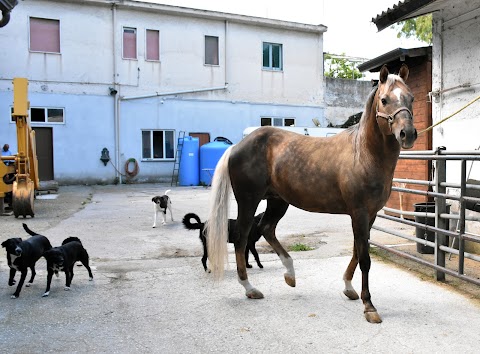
(151,295)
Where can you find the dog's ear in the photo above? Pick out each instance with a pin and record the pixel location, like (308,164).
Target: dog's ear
(4,244)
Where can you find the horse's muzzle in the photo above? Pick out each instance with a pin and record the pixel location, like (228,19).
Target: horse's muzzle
(407,137)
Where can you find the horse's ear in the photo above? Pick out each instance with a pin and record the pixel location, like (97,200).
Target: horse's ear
(383,74)
(404,72)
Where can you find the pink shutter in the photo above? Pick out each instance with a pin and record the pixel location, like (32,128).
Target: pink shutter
(130,43)
(44,35)
(153,45)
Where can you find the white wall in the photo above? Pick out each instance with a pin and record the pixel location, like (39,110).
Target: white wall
(79,79)
(456,58)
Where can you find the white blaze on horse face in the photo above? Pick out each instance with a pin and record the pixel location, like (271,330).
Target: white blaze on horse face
(398,93)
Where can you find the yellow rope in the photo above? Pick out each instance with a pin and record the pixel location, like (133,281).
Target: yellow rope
(450,116)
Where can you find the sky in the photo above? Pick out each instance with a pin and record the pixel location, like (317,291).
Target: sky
(350,27)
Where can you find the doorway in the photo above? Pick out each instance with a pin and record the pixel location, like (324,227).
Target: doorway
(203,138)
(44,144)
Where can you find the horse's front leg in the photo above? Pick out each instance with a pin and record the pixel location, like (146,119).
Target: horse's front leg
(361,230)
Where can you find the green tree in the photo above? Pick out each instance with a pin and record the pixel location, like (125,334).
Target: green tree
(340,67)
(418,27)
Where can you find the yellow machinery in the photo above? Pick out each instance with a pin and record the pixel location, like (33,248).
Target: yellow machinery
(21,178)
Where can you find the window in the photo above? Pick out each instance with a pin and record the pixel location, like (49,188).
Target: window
(272,56)
(277,122)
(44,35)
(158,144)
(211,50)
(153,45)
(44,115)
(129,43)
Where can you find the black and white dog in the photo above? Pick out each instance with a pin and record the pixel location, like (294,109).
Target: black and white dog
(253,236)
(162,203)
(22,255)
(64,258)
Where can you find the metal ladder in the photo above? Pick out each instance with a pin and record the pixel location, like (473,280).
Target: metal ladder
(178,158)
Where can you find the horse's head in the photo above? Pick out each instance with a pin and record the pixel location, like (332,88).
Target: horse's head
(394,107)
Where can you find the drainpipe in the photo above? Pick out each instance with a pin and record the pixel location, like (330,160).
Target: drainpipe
(115,94)
(225,53)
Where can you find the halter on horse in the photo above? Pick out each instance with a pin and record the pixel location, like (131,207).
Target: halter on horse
(349,173)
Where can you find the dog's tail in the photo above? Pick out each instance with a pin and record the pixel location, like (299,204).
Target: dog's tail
(167,191)
(189,225)
(216,228)
(70,239)
(30,232)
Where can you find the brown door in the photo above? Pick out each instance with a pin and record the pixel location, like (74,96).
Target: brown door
(203,138)
(44,140)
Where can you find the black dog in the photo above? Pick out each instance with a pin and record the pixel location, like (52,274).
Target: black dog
(253,236)
(22,255)
(64,258)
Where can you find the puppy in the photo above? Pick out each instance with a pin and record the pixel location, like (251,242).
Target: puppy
(22,255)
(253,236)
(64,258)
(162,203)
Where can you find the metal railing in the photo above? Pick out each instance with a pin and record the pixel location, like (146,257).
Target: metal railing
(437,189)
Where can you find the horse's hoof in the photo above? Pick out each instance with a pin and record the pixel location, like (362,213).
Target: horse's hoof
(28,285)
(351,294)
(254,294)
(290,280)
(373,317)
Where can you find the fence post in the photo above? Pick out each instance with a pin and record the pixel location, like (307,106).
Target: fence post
(461,241)
(440,208)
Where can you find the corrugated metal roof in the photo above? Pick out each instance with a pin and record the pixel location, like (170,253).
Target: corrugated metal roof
(401,54)
(407,9)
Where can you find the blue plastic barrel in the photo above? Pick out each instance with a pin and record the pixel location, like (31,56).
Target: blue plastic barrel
(209,155)
(189,162)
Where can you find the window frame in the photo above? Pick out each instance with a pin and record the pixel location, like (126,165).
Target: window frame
(274,120)
(217,54)
(123,42)
(270,66)
(46,115)
(151,147)
(147,30)
(30,35)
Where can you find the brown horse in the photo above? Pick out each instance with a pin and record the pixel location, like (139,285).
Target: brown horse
(349,173)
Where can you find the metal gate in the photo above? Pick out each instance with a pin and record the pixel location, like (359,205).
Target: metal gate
(462,194)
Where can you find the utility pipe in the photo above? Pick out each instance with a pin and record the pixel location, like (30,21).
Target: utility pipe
(157,94)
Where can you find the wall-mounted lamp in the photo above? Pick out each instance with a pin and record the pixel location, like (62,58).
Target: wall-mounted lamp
(113,92)
(105,156)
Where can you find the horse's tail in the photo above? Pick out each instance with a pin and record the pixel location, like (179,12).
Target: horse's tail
(217,224)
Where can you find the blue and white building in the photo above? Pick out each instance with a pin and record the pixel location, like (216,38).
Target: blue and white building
(129,76)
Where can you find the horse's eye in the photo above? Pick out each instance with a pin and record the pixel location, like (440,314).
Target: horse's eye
(384,101)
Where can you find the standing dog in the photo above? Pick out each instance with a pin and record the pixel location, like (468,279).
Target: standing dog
(64,258)
(22,255)
(253,236)
(162,203)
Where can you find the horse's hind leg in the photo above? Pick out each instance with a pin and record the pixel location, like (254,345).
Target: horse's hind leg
(243,225)
(276,209)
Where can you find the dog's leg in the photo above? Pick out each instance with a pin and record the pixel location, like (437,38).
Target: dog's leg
(164,217)
(32,268)
(170,208)
(155,215)
(20,284)
(49,282)
(246,257)
(68,277)
(84,261)
(11,280)
(255,254)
